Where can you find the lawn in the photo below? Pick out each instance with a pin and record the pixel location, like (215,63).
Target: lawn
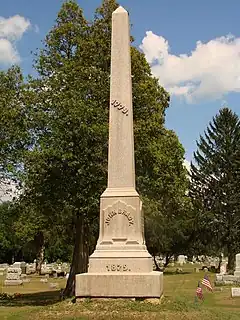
(36,300)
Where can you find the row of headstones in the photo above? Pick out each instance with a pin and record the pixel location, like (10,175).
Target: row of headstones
(182,259)
(224,278)
(228,279)
(16,273)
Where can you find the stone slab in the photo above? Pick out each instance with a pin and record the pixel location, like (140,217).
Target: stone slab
(219,277)
(121,285)
(235,292)
(229,277)
(13,282)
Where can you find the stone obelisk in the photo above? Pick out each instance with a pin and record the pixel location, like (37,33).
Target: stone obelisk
(120,265)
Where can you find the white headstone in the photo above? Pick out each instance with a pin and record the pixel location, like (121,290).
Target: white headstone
(237,268)
(13,276)
(121,265)
(181,259)
(235,292)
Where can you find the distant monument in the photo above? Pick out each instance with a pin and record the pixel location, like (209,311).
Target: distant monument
(120,265)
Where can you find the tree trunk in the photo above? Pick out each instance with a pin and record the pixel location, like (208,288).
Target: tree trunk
(155,262)
(80,258)
(168,257)
(39,240)
(231,261)
(219,265)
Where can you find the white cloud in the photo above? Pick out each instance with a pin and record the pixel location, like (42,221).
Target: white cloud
(8,54)
(14,27)
(11,30)
(210,71)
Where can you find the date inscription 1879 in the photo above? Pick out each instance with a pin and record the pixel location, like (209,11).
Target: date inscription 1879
(117,267)
(119,106)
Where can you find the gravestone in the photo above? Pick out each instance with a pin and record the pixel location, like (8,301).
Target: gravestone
(13,277)
(237,268)
(181,260)
(120,265)
(235,292)
(223,267)
(22,265)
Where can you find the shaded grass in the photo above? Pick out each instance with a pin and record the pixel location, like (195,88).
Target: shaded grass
(38,301)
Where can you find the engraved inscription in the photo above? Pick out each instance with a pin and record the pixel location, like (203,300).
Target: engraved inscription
(117,104)
(117,267)
(122,212)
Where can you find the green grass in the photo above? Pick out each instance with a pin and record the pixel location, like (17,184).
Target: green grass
(37,301)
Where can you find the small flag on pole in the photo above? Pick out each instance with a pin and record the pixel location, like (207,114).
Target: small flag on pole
(207,283)
(199,292)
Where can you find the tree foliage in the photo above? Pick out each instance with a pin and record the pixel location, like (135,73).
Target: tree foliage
(215,185)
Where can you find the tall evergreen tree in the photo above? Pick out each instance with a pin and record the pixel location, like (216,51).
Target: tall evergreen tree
(215,185)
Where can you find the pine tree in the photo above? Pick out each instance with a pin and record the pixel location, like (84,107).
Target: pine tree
(215,184)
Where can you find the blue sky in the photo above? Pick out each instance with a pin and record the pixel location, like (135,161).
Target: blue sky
(186,42)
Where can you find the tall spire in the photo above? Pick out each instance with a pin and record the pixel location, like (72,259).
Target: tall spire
(121,170)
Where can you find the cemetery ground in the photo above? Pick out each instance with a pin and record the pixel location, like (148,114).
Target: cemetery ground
(36,300)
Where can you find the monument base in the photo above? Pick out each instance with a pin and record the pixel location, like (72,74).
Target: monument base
(121,285)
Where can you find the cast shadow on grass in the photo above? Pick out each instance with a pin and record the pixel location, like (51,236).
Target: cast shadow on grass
(174,273)
(33,299)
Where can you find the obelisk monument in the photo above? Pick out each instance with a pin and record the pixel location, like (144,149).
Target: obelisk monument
(120,265)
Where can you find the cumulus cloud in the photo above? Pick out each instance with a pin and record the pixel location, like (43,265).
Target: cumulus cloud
(11,30)
(8,53)
(210,71)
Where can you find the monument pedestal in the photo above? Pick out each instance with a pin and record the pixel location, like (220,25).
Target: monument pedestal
(120,285)
(121,265)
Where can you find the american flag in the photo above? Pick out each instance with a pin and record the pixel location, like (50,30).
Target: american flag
(199,292)
(207,283)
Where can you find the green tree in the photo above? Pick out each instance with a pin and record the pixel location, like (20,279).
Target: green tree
(66,171)
(9,245)
(215,184)
(167,207)
(14,135)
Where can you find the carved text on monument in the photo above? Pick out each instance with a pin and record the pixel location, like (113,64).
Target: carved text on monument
(113,213)
(117,267)
(118,105)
